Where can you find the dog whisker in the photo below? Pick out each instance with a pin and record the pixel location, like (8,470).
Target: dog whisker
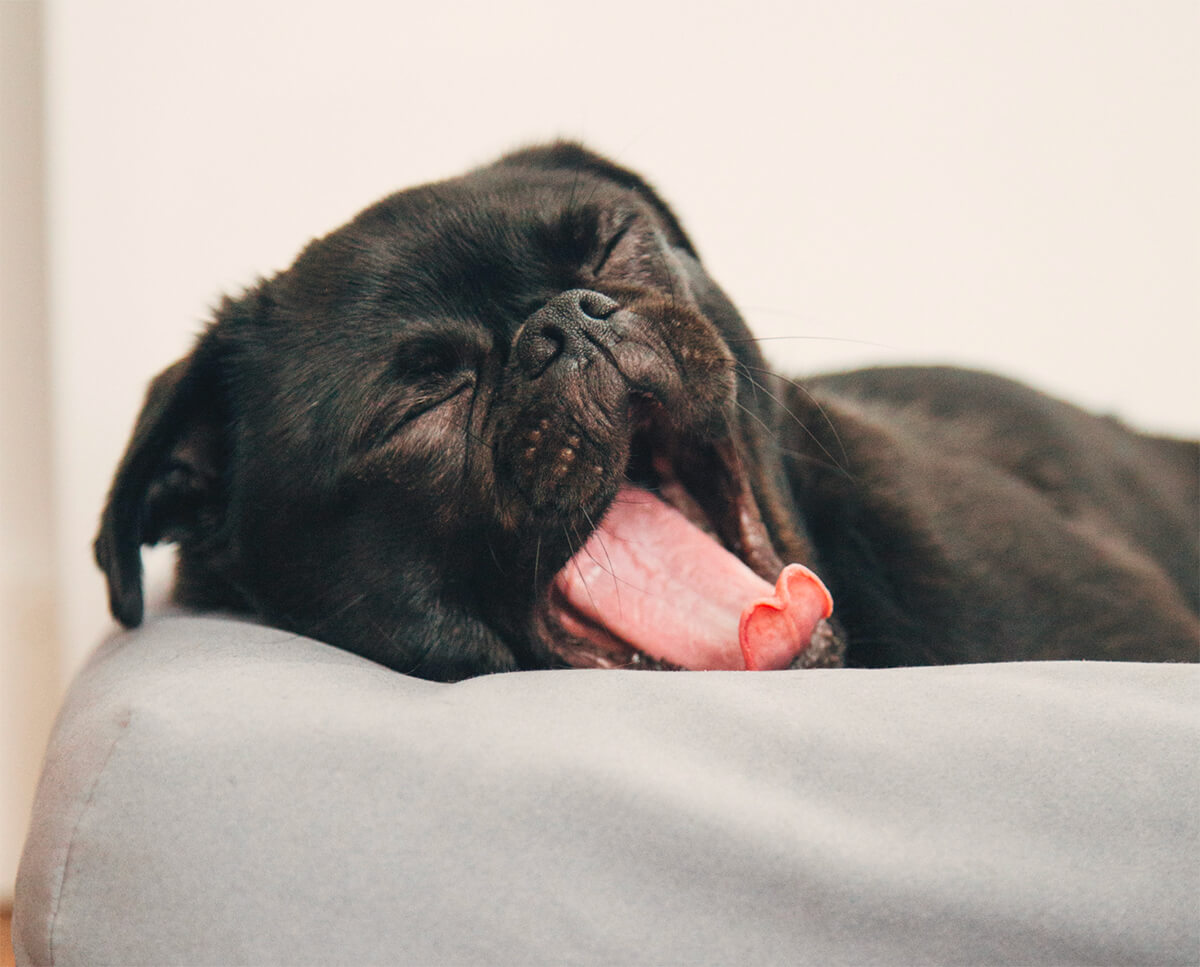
(800,423)
(491,550)
(811,338)
(578,570)
(611,570)
(817,403)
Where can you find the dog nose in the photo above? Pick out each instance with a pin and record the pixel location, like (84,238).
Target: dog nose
(565,329)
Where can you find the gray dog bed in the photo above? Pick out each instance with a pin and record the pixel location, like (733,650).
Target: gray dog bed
(217,792)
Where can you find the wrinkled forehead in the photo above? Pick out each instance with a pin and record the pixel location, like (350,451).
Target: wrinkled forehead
(497,239)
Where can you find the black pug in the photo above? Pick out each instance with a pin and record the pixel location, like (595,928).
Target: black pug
(507,421)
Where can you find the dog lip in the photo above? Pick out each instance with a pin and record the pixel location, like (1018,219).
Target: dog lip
(753,542)
(594,646)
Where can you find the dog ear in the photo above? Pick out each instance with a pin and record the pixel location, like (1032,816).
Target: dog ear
(571,156)
(170,474)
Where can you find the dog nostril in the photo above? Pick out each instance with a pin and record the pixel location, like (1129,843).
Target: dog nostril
(539,348)
(594,305)
(553,338)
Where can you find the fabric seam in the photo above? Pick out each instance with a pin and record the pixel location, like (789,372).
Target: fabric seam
(123,724)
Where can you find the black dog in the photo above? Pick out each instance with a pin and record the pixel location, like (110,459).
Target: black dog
(507,421)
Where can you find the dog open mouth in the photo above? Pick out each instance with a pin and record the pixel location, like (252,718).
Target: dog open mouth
(680,573)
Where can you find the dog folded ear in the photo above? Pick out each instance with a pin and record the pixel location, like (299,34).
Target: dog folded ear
(169,476)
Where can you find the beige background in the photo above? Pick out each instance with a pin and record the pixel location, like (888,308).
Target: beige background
(996,183)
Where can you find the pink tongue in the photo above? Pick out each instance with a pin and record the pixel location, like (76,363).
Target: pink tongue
(659,583)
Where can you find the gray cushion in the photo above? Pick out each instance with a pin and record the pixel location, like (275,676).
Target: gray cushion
(217,792)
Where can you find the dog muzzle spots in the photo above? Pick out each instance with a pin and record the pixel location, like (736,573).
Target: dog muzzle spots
(649,582)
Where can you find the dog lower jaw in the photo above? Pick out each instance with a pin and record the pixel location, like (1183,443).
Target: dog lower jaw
(579,642)
(825,650)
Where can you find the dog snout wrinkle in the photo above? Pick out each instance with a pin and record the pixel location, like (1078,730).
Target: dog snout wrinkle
(565,330)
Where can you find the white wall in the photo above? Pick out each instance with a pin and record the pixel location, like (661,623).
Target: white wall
(999,183)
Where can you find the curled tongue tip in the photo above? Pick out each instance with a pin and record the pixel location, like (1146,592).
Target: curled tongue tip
(774,630)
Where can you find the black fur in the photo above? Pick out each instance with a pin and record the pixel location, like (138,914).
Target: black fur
(369,448)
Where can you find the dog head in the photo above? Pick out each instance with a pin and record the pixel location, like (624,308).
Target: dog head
(502,421)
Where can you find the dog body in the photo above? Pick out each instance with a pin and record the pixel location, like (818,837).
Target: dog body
(984,521)
(507,421)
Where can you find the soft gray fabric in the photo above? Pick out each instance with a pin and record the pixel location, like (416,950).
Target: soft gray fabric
(222,793)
